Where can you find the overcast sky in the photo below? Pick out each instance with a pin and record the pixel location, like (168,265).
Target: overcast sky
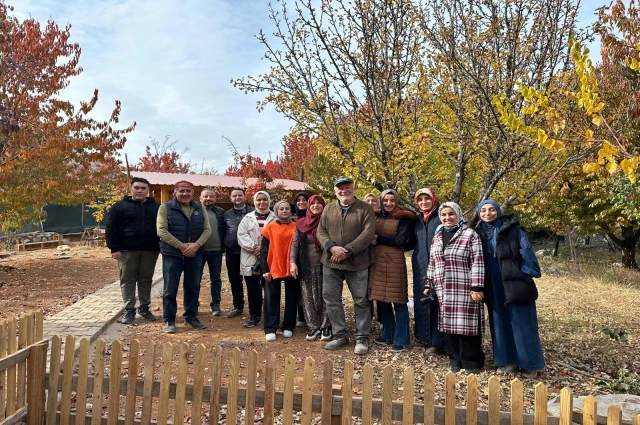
(170,63)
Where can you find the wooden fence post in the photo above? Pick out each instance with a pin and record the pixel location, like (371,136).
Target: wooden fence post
(35,384)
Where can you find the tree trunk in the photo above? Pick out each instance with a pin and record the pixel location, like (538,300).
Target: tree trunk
(556,247)
(627,241)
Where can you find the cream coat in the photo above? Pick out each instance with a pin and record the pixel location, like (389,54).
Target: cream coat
(249,236)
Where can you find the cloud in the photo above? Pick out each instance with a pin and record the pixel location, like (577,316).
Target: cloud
(170,63)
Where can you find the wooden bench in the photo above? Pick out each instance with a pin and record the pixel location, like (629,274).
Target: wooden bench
(30,246)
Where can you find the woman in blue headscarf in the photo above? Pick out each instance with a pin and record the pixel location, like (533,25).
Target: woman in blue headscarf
(510,292)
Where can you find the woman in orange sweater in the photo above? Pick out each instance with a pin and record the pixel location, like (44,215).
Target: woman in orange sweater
(274,261)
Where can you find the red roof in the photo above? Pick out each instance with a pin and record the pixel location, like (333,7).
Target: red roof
(213,180)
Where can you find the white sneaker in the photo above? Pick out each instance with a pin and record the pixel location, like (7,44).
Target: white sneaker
(287,334)
(270,337)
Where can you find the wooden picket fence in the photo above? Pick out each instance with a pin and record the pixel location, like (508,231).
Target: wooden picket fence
(16,338)
(152,397)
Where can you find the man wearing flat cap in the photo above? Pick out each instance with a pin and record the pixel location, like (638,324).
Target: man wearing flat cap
(183,227)
(347,227)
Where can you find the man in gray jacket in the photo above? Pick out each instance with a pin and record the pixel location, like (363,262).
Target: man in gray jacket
(347,227)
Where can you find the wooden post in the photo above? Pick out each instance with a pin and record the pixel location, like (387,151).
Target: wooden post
(336,390)
(37,365)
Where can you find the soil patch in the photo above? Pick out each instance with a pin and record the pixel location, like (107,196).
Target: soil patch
(40,279)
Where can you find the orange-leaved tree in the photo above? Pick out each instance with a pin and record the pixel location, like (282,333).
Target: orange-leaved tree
(50,150)
(164,158)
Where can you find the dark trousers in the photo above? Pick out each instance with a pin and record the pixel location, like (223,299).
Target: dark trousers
(254,295)
(172,269)
(235,279)
(465,351)
(214,260)
(272,295)
(136,268)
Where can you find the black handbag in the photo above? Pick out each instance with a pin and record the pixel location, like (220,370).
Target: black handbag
(255,269)
(431,297)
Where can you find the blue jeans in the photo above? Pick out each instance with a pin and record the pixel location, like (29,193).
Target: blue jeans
(214,260)
(172,269)
(395,328)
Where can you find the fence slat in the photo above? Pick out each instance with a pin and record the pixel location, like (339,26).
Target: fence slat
(450,399)
(566,407)
(165,381)
(252,374)
(37,368)
(387,394)
(216,376)
(472,400)
(147,390)
(347,393)
(429,397)
(590,411)
(540,404)
(232,395)
(287,401)
(98,378)
(327,389)
(367,393)
(81,387)
(11,372)
(30,330)
(22,366)
(407,396)
(614,415)
(198,383)
(3,373)
(54,374)
(517,402)
(67,376)
(115,375)
(39,325)
(132,379)
(494,400)
(181,383)
(307,390)
(269,389)
(636,420)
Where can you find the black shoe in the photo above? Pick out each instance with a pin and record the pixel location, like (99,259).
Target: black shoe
(397,348)
(253,321)
(127,317)
(146,314)
(169,327)
(234,312)
(215,310)
(313,335)
(454,368)
(383,341)
(194,323)
(472,371)
(326,335)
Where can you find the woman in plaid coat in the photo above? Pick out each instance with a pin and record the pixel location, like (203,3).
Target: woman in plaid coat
(456,268)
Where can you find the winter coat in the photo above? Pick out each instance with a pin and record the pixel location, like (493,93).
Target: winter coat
(354,232)
(518,263)
(249,237)
(131,225)
(388,274)
(185,229)
(455,270)
(232,219)
(423,237)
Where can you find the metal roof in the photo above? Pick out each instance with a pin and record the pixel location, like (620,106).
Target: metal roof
(213,180)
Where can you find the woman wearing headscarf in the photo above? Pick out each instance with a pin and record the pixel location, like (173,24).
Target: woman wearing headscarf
(388,274)
(424,228)
(301,201)
(510,292)
(250,241)
(277,238)
(456,268)
(305,265)
(371,199)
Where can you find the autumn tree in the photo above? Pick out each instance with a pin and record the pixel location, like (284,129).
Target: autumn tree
(344,72)
(49,149)
(163,158)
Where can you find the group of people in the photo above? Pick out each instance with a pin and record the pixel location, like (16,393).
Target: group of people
(314,247)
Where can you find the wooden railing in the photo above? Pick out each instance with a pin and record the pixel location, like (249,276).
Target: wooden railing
(16,338)
(151,398)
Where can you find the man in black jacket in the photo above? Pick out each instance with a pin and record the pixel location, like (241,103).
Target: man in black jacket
(214,246)
(232,219)
(133,240)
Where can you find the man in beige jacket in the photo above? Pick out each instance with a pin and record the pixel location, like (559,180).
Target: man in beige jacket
(347,227)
